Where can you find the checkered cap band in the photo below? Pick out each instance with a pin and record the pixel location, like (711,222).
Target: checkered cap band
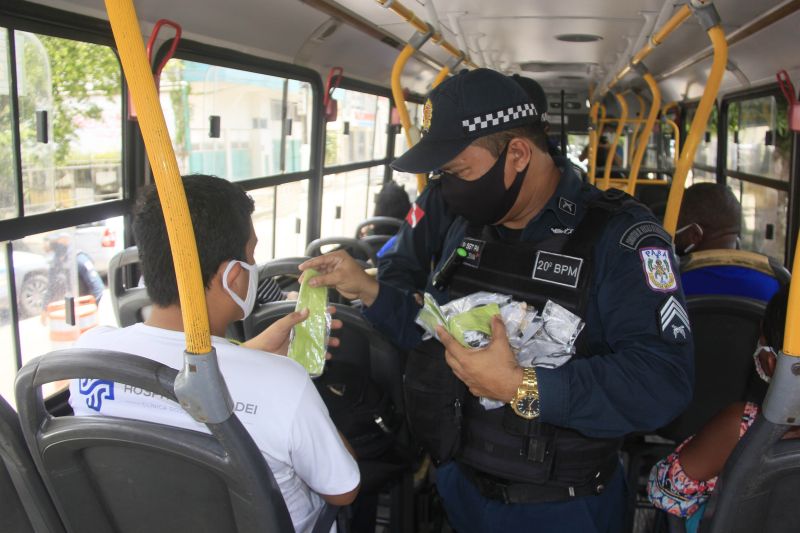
(489,120)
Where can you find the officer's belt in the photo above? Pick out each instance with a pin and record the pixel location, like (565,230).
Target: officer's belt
(496,488)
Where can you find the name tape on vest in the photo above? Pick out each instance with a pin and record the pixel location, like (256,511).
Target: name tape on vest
(557,269)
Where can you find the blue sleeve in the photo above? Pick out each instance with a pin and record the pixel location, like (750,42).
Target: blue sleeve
(645,377)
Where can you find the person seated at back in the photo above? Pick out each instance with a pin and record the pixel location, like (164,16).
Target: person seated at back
(603,146)
(710,218)
(391,201)
(681,483)
(273,395)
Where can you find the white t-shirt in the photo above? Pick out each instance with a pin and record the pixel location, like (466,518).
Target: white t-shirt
(274,398)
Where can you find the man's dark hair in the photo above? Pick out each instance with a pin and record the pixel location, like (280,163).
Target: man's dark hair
(392,201)
(496,142)
(220,213)
(774,322)
(713,206)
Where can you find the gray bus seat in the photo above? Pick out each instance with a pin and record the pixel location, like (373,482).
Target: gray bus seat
(378,226)
(108,474)
(742,258)
(725,330)
(26,505)
(284,271)
(358,249)
(758,488)
(363,346)
(129,301)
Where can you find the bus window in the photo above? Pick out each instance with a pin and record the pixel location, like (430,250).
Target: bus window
(576,144)
(705,159)
(264,223)
(400,142)
(764,215)
(8,365)
(347,199)
(351,138)
(70,122)
(229,123)
(381,128)
(291,217)
(759,141)
(8,189)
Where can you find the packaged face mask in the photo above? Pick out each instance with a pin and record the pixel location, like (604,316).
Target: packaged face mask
(473,328)
(309,341)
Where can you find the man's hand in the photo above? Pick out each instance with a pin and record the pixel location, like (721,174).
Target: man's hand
(491,372)
(340,271)
(275,338)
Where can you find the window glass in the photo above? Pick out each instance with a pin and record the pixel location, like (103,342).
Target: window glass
(8,363)
(8,186)
(408,182)
(70,110)
(576,144)
(415,114)
(347,199)
(291,218)
(699,176)
(706,153)
(381,129)
(351,137)
(764,215)
(264,223)
(759,140)
(300,118)
(229,122)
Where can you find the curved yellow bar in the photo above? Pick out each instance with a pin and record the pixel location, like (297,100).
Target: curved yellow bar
(644,138)
(697,128)
(677,133)
(400,103)
(128,37)
(441,76)
(594,139)
(791,338)
(612,150)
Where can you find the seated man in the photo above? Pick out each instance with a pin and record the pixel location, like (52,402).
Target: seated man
(710,218)
(273,395)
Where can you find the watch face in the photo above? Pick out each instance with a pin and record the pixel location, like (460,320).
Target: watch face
(528,406)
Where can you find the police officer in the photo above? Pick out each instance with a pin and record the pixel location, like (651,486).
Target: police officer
(548,461)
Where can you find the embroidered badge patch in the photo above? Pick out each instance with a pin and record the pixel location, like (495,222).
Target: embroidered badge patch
(567,206)
(658,269)
(414,215)
(427,114)
(674,321)
(634,235)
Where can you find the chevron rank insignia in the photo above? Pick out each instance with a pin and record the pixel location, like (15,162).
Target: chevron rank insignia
(674,321)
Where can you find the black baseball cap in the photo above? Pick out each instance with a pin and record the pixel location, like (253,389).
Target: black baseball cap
(467,106)
(535,93)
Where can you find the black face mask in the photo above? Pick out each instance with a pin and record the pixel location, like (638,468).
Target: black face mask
(486,199)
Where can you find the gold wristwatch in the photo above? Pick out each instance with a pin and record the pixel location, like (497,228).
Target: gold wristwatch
(526,402)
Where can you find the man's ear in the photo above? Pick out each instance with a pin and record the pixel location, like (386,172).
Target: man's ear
(519,153)
(233,274)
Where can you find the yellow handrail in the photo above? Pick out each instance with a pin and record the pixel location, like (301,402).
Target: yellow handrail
(400,103)
(441,76)
(791,338)
(128,37)
(698,127)
(612,150)
(641,148)
(677,133)
(594,139)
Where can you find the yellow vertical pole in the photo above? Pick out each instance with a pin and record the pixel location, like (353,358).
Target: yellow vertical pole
(128,37)
(612,151)
(644,138)
(400,103)
(677,134)
(594,138)
(441,76)
(697,128)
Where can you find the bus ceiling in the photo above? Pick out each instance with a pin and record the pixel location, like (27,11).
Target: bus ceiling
(571,45)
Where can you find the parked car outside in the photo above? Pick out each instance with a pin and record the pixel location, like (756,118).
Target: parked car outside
(30,277)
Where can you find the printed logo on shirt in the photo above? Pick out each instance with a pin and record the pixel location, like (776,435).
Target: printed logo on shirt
(674,321)
(557,269)
(414,215)
(96,390)
(562,231)
(567,206)
(634,235)
(474,248)
(658,269)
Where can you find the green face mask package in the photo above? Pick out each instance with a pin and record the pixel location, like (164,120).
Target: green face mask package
(309,340)
(473,328)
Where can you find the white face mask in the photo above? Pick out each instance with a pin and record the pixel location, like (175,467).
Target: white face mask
(252,287)
(759,370)
(681,230)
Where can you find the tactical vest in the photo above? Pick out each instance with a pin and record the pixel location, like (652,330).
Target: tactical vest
(498,445)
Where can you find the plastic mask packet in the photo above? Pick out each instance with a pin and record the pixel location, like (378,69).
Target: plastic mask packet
(561,325)
(464,326)
(309,341)
(430,316)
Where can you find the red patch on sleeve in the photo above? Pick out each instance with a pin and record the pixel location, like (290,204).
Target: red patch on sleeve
(414,215)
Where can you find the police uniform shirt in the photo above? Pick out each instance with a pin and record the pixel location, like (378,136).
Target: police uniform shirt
(636,319)
(273,397)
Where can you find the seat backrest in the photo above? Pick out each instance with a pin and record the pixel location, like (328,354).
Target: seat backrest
(113,474)
(757,490)
(26,505)
(725,330)
(283,271)
(741,258)
(378,226)
(358,249)
(129,301)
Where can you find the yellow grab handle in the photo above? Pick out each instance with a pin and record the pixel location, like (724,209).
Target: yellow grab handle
(128,37)
(791,337)
(400,103)
(644,138)
(441,76)
(612,151)
(594,137)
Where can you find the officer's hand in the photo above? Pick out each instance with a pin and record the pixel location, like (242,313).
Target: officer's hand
(491,372)
(275,339)
(340,271)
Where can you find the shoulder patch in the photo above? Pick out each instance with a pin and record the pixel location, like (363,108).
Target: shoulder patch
(414,215)
(673,321)
(658,269)
(568,206)
(634,235)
